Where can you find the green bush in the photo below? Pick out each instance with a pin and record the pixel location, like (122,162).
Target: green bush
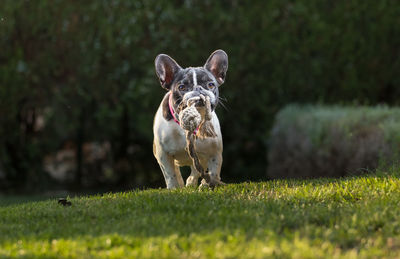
(86,67)
(314,141)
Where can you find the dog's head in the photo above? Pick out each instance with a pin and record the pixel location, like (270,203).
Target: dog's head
(189,83)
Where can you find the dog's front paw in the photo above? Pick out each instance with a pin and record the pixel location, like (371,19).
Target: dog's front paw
(204,185)
(211,185)
(192,181)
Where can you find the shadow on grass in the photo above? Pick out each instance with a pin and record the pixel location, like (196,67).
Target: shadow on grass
(16,200)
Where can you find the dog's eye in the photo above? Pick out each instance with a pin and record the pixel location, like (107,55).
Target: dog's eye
(211,85)
(182,87)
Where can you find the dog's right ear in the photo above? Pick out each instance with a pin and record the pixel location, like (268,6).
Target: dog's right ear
(166,69)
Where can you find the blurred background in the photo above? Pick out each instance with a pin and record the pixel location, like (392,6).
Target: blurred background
(78,90)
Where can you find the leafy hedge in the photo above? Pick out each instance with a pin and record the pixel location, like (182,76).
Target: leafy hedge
(314,141)
(86,67)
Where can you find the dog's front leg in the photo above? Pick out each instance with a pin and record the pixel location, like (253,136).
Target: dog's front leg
(214,169)
(172,176)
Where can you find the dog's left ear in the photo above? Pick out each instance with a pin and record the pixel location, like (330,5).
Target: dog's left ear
(217,64)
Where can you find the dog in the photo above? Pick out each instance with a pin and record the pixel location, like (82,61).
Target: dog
(184,85)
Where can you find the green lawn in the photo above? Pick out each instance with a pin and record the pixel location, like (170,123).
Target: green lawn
(345,218)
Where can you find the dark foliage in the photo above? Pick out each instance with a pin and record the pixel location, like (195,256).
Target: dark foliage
(79,72)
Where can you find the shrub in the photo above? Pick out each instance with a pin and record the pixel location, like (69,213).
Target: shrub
(323,141)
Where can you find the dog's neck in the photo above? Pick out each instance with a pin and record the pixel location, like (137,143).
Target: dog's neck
(172,112)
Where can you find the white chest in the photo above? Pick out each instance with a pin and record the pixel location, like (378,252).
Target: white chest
(171,139)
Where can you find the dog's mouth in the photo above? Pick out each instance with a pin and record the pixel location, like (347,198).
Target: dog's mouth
(197,100)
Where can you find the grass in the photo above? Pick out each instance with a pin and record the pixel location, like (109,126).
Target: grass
(323,218)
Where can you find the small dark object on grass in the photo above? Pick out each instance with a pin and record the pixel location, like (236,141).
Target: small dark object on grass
(64,202)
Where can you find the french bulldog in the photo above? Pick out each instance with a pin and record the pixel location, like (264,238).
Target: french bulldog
(185,85)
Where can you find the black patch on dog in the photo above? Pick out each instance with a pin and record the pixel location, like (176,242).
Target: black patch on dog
(176,101)
(165,108)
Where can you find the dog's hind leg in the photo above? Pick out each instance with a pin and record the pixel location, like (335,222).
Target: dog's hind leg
(193,179)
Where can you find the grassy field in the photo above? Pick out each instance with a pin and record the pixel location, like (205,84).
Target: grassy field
(325,218)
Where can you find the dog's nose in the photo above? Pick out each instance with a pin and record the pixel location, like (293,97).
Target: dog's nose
(197,88)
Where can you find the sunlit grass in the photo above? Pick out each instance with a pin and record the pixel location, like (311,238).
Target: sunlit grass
(343,218)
